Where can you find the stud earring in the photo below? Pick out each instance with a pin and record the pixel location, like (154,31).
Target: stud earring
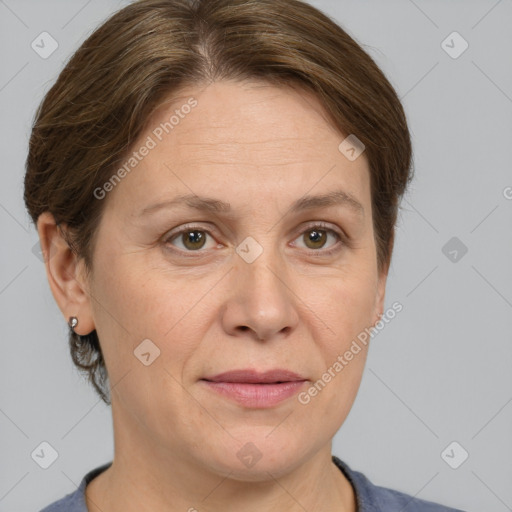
(73,322)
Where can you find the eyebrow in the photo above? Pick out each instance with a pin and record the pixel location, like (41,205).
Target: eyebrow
(216,206)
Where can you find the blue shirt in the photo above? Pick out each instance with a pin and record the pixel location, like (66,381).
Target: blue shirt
(369,497)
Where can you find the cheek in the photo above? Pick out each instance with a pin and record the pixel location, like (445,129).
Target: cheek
(346,305)
(134,304)
(134,307)
(124,313)
(346,309)
(135,300)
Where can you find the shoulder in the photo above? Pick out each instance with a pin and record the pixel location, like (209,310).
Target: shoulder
(69,503)
(373,498)
(75,501)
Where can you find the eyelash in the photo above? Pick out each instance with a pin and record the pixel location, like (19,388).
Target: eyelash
(342,239)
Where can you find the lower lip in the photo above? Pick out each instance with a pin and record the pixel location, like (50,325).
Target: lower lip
(256,395)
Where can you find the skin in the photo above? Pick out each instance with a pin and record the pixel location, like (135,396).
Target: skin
(259,147)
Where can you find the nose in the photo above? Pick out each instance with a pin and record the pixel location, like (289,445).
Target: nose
(261,304)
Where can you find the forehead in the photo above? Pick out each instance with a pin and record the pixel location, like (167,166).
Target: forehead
(249,113)
(245,140)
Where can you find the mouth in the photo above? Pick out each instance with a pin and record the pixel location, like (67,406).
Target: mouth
(253,389)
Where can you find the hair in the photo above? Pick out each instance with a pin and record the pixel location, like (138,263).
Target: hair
(144,53)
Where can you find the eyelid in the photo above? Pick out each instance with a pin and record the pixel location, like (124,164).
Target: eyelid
(323,225)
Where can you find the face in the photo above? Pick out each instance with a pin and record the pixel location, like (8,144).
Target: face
(248,274)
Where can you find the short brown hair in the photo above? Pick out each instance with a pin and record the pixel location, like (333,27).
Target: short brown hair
(104,96)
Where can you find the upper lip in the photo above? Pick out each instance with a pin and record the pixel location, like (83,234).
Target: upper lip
(254,377)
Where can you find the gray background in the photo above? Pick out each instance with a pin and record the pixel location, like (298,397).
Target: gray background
(439,372)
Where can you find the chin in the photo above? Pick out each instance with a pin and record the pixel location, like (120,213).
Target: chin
(257,457)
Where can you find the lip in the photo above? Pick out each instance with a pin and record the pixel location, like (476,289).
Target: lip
(254,389)
(251,376)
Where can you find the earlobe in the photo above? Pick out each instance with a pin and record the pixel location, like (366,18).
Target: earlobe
(63,270)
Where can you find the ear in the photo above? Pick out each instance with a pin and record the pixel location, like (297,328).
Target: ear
(381,284)
(65,274)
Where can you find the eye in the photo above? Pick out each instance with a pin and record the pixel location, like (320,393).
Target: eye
(316,237)
(191,239)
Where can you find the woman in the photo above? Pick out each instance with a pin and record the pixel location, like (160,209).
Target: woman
(215,185)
